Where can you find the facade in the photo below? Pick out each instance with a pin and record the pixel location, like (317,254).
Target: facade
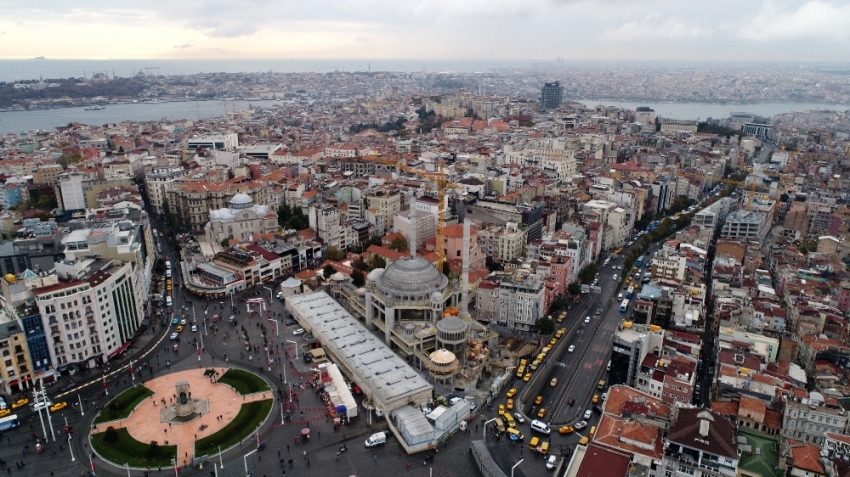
(16,374)
(678,126)
(325,220)
(807,417)
(522,301)
(158,182)
(551,96)
(645,117)
(47,174)
(240,221)
(191,201)
(503,244)
(743,225)
(214,142)
(90,316)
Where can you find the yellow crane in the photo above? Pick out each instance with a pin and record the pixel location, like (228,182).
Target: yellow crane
(442,185)
(752,185)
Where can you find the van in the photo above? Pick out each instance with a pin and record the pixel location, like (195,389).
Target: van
(540,427)
(509,420)
(592,431)
(376,439)
(500,425)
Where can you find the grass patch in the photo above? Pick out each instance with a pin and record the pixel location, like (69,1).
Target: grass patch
(244,382)
(119,447)
(123,404)
(250,416)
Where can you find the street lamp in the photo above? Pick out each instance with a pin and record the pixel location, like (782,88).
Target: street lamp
(245,458)
(515,466)
(270,294)
(69,440)
(484,430)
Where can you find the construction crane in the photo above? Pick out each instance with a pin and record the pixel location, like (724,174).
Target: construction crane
(752,185)
(442,185)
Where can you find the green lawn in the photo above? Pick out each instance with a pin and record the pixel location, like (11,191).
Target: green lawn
(119,447)
(244,382)
(123,404)
(250,416)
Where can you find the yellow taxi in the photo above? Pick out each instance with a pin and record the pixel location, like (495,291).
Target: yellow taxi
(501,409)
(553,341)
(538,400)
(511,393)
(595,398)
(554,382)
(541,413)
(510,404)
(180,329)
(5,412)
(58,406)
(560,332)
(527,377)
(20,403)
(566,429)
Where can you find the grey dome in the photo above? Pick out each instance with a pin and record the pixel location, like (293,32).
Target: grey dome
(241,201)
(451,324)
(411,275)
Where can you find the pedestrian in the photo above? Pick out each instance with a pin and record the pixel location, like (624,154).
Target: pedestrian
(376,457)
(287,448)
(408,466)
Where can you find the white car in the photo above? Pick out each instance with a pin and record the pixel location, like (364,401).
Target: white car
(41,405)
(519,418)
(183,322)
(588,414)
(614,277)
(194,327)
(552,462)
(571,348)
(587,320)
(580,425)
(299,331)
(174,336)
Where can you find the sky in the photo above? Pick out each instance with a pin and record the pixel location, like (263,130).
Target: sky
(714,30)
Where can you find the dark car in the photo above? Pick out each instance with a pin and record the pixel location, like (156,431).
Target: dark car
(291,323)
(68,387)
(570,401)
(308,358)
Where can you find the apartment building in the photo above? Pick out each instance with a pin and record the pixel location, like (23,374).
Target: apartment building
(521,301)
(91,314)
(505,243)
(809,415)
(325,220)
(743,225)
(700,443)
(382,207)
(71,190)
(191,201)
(159,181)
(17,372)
(214,142)
(47,174)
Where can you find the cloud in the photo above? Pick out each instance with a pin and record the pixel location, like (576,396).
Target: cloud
(654,26)
(183,46)
(813,19)
(362,39)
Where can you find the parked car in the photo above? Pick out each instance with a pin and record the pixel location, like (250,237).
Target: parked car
(580,425)
(307,358)
(588,414)
(552,462)
(299,331)
(291,323)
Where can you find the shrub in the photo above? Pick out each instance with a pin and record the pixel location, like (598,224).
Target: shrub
(123,404)
(250,416)
(244,382)
(119,447)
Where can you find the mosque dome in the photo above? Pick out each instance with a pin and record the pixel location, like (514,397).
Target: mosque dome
(241,201)
(411,276)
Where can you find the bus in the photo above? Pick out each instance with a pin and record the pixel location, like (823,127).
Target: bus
(624,306)
(630,292)
(9,422)
(639,262)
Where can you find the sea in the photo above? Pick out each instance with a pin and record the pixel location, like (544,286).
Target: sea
(21,121)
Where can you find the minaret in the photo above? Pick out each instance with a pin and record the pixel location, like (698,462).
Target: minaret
(464,278)
(412,244)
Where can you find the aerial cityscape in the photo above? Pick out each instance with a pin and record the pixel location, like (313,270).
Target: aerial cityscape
(234,262)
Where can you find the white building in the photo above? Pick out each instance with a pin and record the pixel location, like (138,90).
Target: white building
(90,316)
(71,188)
(214,142)
(325,219)
(241,220)
(159,181)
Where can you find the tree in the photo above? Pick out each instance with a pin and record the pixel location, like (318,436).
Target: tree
(399,244)
(558,303)
(328,271)
(333,253)
(297,220)
(378,262)
(357,278)
(283,215)
(225,242)
(574,288)
(545,325)
(588,273)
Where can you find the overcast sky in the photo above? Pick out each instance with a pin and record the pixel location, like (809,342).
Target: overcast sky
(782,30)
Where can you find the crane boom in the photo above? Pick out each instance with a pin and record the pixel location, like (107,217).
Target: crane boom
(442,185)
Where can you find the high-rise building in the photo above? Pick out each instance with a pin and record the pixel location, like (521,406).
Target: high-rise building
(551,95)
